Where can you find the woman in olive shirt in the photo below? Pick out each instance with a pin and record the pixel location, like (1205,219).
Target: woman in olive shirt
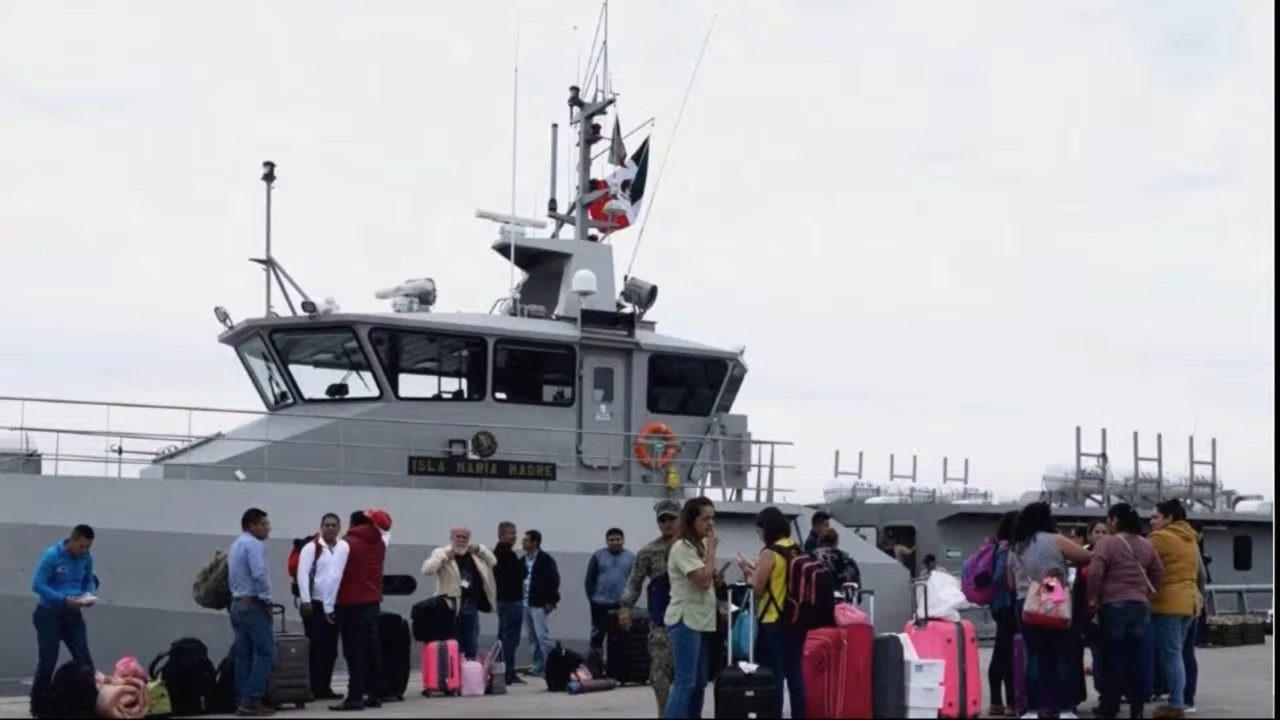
(691,616)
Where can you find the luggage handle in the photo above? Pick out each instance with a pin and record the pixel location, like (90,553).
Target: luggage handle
(278,609)
(750,608)
(852,593)
(924,593)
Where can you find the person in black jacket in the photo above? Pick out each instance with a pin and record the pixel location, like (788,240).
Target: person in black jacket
(541,595)
(509,575)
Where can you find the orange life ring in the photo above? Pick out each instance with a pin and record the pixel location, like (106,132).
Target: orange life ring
(664,442)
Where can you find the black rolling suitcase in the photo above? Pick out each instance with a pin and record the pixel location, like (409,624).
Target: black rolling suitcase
(626,653)
(888,678)
(741,694)
(395,646)
(290,681)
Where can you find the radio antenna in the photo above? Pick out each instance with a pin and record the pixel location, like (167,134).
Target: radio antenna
(515,119)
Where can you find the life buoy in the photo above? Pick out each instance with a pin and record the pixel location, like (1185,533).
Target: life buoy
(664,446)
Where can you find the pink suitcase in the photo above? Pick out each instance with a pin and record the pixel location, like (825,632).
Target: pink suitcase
(956,644)
(441,668)
(837,672)
(474,678)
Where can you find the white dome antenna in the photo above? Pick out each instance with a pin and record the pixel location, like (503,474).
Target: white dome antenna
(584,283)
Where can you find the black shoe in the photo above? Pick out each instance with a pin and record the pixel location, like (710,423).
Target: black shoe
(326,694)
(347,707)
(516,680)
(372,703)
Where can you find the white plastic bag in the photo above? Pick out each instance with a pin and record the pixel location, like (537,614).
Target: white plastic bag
(940,596)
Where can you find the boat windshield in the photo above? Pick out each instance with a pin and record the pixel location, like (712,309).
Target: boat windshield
(326,364)
(265,373)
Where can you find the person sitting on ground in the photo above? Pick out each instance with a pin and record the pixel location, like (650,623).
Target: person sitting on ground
(464,572)
(843,568)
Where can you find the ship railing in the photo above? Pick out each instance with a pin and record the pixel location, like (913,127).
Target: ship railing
(1250,599)
(122,438)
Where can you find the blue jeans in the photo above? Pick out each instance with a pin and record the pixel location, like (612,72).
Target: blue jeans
(1124,627)
(781,649)
(1189,665)
(535,619)
(469,630)
(254,651)
(690,652)
(1048,676)
(56,626)
(1171,631)
(510,618)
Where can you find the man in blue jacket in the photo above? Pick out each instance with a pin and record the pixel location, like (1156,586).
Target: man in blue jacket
(606,575)
(64,582)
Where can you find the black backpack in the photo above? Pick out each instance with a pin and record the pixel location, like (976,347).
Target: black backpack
(187,673)
(73,693)
(559,666)
(222,700)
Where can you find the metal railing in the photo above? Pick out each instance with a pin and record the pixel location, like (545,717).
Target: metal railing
(1239,599)
(149,440)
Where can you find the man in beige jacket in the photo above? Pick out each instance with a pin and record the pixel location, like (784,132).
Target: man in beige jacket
(464,572)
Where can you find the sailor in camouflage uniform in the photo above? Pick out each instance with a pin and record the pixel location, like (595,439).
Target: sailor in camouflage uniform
(651,565)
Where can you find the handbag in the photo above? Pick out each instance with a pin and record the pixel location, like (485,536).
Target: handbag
(1048,605)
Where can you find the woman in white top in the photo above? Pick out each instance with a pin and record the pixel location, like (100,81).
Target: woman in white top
(691,616)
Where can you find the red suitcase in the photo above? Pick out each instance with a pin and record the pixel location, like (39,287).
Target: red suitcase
(837,672)
(956,644)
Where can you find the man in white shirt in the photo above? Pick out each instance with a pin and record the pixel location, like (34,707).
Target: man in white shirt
(320,566)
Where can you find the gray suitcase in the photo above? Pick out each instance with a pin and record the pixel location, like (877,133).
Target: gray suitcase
(290,681)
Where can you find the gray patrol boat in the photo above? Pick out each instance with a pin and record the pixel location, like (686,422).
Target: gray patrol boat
(562,409)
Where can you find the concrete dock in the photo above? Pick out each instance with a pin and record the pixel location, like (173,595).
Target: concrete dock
(1234,682)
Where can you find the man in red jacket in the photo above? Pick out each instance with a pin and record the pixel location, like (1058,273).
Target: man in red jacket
(359,604)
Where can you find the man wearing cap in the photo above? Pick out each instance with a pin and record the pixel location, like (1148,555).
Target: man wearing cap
(651,565)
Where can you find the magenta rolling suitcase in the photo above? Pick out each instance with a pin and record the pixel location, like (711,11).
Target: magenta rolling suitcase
(956,644)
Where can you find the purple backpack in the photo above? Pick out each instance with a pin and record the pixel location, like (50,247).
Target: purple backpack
(978,582)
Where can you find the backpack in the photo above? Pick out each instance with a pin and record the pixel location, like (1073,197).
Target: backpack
(222,699)
(212,588)
(811,590)
(560,666)
(73,693)
(187,673)
(295,558)
(978,581)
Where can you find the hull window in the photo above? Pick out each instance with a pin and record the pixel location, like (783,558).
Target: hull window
(684,384)
(534,373)
(1242,553)
(432,366)
(326,364)
(266,374)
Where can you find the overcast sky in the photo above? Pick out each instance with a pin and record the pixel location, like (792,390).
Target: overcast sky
(953,229)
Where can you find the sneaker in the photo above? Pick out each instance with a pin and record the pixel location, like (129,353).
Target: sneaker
(1189,709)
(256,709)
(516,680)
(347,706)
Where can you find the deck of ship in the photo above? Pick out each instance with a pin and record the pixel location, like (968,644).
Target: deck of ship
(1234,682)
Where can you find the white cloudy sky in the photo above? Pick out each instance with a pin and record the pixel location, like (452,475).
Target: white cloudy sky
(954,228)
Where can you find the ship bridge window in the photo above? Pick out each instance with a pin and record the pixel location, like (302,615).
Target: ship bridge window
(684,384)
(432,366)
(1242,553)
(265,373)
(326,364)
(534,373)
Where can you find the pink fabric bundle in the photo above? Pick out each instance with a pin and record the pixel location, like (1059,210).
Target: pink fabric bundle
(128,666)
(125,697)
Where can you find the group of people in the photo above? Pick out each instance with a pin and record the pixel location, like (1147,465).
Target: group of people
(340,597)
(689,608)
(1135,602)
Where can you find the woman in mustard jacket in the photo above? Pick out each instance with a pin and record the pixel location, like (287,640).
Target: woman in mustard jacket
(1177,600)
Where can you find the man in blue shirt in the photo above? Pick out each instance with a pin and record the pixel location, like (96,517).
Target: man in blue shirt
(64,582)
(250,579)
